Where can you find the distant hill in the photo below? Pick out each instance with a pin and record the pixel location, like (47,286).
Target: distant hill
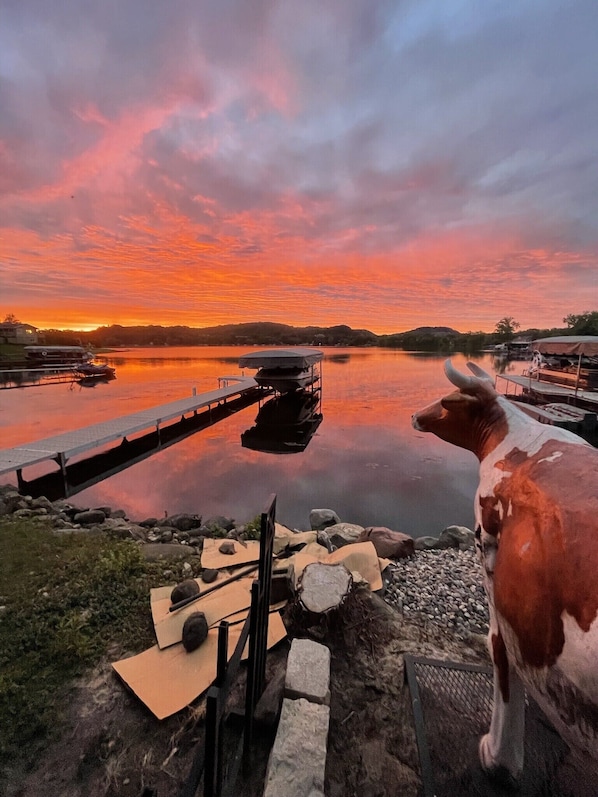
(266,333)
(436,332)
(258,333)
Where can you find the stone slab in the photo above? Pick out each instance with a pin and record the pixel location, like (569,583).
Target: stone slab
(308,671)
(298,758)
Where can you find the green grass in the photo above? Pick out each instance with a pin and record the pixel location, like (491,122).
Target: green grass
(9,351)
(67,598)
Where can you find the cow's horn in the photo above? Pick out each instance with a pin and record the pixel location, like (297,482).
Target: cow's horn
(462,381)
(475,369)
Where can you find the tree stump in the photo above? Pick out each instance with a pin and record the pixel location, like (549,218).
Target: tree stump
(324,587)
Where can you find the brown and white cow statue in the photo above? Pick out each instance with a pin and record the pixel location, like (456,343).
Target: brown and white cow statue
(536,513)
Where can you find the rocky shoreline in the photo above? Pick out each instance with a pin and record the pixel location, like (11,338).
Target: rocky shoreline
(437,581)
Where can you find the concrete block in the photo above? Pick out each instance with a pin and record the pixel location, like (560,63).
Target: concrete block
(308,671)
(298,758)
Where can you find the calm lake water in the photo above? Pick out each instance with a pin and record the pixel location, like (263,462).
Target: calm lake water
(365,460)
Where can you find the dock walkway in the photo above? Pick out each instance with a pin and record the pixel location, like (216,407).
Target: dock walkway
(62,447)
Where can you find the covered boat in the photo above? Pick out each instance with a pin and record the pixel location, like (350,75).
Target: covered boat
(42,356)
(570,360)
(285,370)
(570,345)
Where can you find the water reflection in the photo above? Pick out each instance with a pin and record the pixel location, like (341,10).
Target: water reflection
(364,461)
(285,424)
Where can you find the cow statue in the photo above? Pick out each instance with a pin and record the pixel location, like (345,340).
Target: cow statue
(536,512)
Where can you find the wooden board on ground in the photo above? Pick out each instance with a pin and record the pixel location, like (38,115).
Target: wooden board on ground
(244,554)
(216,605)
(168,680)
(284,537)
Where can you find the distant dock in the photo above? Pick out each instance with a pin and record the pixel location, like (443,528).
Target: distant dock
(19,378)
(156,428)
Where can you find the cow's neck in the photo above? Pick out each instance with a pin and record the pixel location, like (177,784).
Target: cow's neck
(503,423)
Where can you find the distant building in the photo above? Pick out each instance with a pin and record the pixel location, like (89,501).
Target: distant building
(17,333)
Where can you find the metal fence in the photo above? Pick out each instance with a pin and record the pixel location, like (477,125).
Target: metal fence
(219,767)
(452,707)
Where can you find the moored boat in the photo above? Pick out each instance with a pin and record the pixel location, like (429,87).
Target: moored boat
(96,370)
(52,356)
(285,370)
(563,376)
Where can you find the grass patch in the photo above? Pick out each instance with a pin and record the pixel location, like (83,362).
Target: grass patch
(10,351)
(67,598)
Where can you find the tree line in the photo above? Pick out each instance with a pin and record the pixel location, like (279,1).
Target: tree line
(272,334)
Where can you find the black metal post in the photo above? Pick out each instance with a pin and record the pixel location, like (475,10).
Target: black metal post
(215,703)
(259,616)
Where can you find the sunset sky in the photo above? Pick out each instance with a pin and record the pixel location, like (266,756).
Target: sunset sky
(383,164)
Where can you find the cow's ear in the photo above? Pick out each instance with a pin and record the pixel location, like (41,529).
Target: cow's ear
(459,401)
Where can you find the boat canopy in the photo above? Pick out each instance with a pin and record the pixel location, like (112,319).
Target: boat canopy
(568,345)
(54,349)
(281,358)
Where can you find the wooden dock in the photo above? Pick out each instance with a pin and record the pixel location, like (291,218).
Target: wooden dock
(546,390)
(60,448)
(576,411)
(19,378)
(564,415)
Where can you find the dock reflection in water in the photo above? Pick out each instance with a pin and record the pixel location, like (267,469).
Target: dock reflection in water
(285,424)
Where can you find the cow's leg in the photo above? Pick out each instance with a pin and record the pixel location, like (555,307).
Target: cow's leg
(501,749)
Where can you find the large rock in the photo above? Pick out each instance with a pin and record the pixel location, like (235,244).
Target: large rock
(322,518)
(13,501)
(219,522)
(90,517)
(340,534)
(457,537)
(388,544)
(188,588)
(185,522)
(43,503)
(125,531)
(428,544)
(149,522)
(195,631)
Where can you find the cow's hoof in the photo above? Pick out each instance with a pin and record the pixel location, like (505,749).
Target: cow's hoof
(495,771)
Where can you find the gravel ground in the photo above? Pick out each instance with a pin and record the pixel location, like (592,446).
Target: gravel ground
(440,587)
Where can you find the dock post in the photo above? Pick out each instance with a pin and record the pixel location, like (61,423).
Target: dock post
(194,391)
(61,459)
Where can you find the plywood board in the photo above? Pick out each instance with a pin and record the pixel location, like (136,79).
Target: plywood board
(244,554)
(281,540)
(231,597)
(168,680)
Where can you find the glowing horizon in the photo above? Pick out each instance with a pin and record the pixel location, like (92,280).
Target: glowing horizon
(208,166)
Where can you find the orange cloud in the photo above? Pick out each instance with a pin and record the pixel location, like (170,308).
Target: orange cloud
(464,279)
